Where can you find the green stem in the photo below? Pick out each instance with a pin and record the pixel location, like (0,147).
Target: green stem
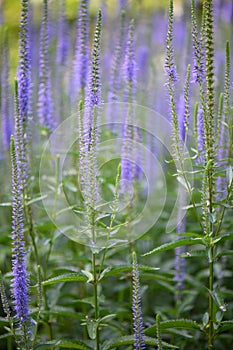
(211,303)
(96,301)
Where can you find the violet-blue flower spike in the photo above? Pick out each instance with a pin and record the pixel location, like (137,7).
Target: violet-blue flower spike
(24,70)
(116,69)
(139,337)
(6,96)
(130,67)
(62,39)
(45,107)
(170,67)
(199,61)
(89,132)
(81,65)
(20,282)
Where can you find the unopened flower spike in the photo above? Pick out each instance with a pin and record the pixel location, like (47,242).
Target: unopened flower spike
(89,138)
(139,337)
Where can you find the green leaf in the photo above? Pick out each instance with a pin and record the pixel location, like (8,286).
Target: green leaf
(7,204)
(226,237)
(3,321)
(218,298)
(92,328)
(224,253)
(225,326)
(66,277)
(175,244)
(6,335)
(177,324)
(64,343)
(37,199)
(128,269)
(129,340)
(106,318)
(201,253)
(89,275)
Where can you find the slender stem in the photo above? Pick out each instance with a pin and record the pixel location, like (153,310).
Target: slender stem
(95,282)
(211,303)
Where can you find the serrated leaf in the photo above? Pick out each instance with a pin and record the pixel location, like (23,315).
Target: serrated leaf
(107,318)
(63,343)
(224,253)
(6,335)
(177,324)
(37,199)
(226,237)
(128,269)
(201,253)
(129,340)
(3,321)
(225,326)
(66,277)
(175,244)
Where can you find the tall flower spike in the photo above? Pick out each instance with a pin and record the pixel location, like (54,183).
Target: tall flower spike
(130,154)
(24,70)
(199,64)
(5,95)
(80,64)
(170,67)
(115,77)
(139,342)
(62,39)
(224,151)
(45,107)
(130,67)
(89,131)
(20,282)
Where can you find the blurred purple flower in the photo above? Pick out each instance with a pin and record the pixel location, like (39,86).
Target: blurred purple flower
(62,37)
(116,69)
(45,106)
(81,60)
(6,109)
(130,67)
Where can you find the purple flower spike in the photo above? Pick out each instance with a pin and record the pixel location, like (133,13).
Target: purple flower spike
(115,76)
(45,108)
(88,124)
(20,282)
(62,38)
(169,66)
(130,67)
(5,96)
(139,342)
(80,64)
(199,63)
(24,70)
